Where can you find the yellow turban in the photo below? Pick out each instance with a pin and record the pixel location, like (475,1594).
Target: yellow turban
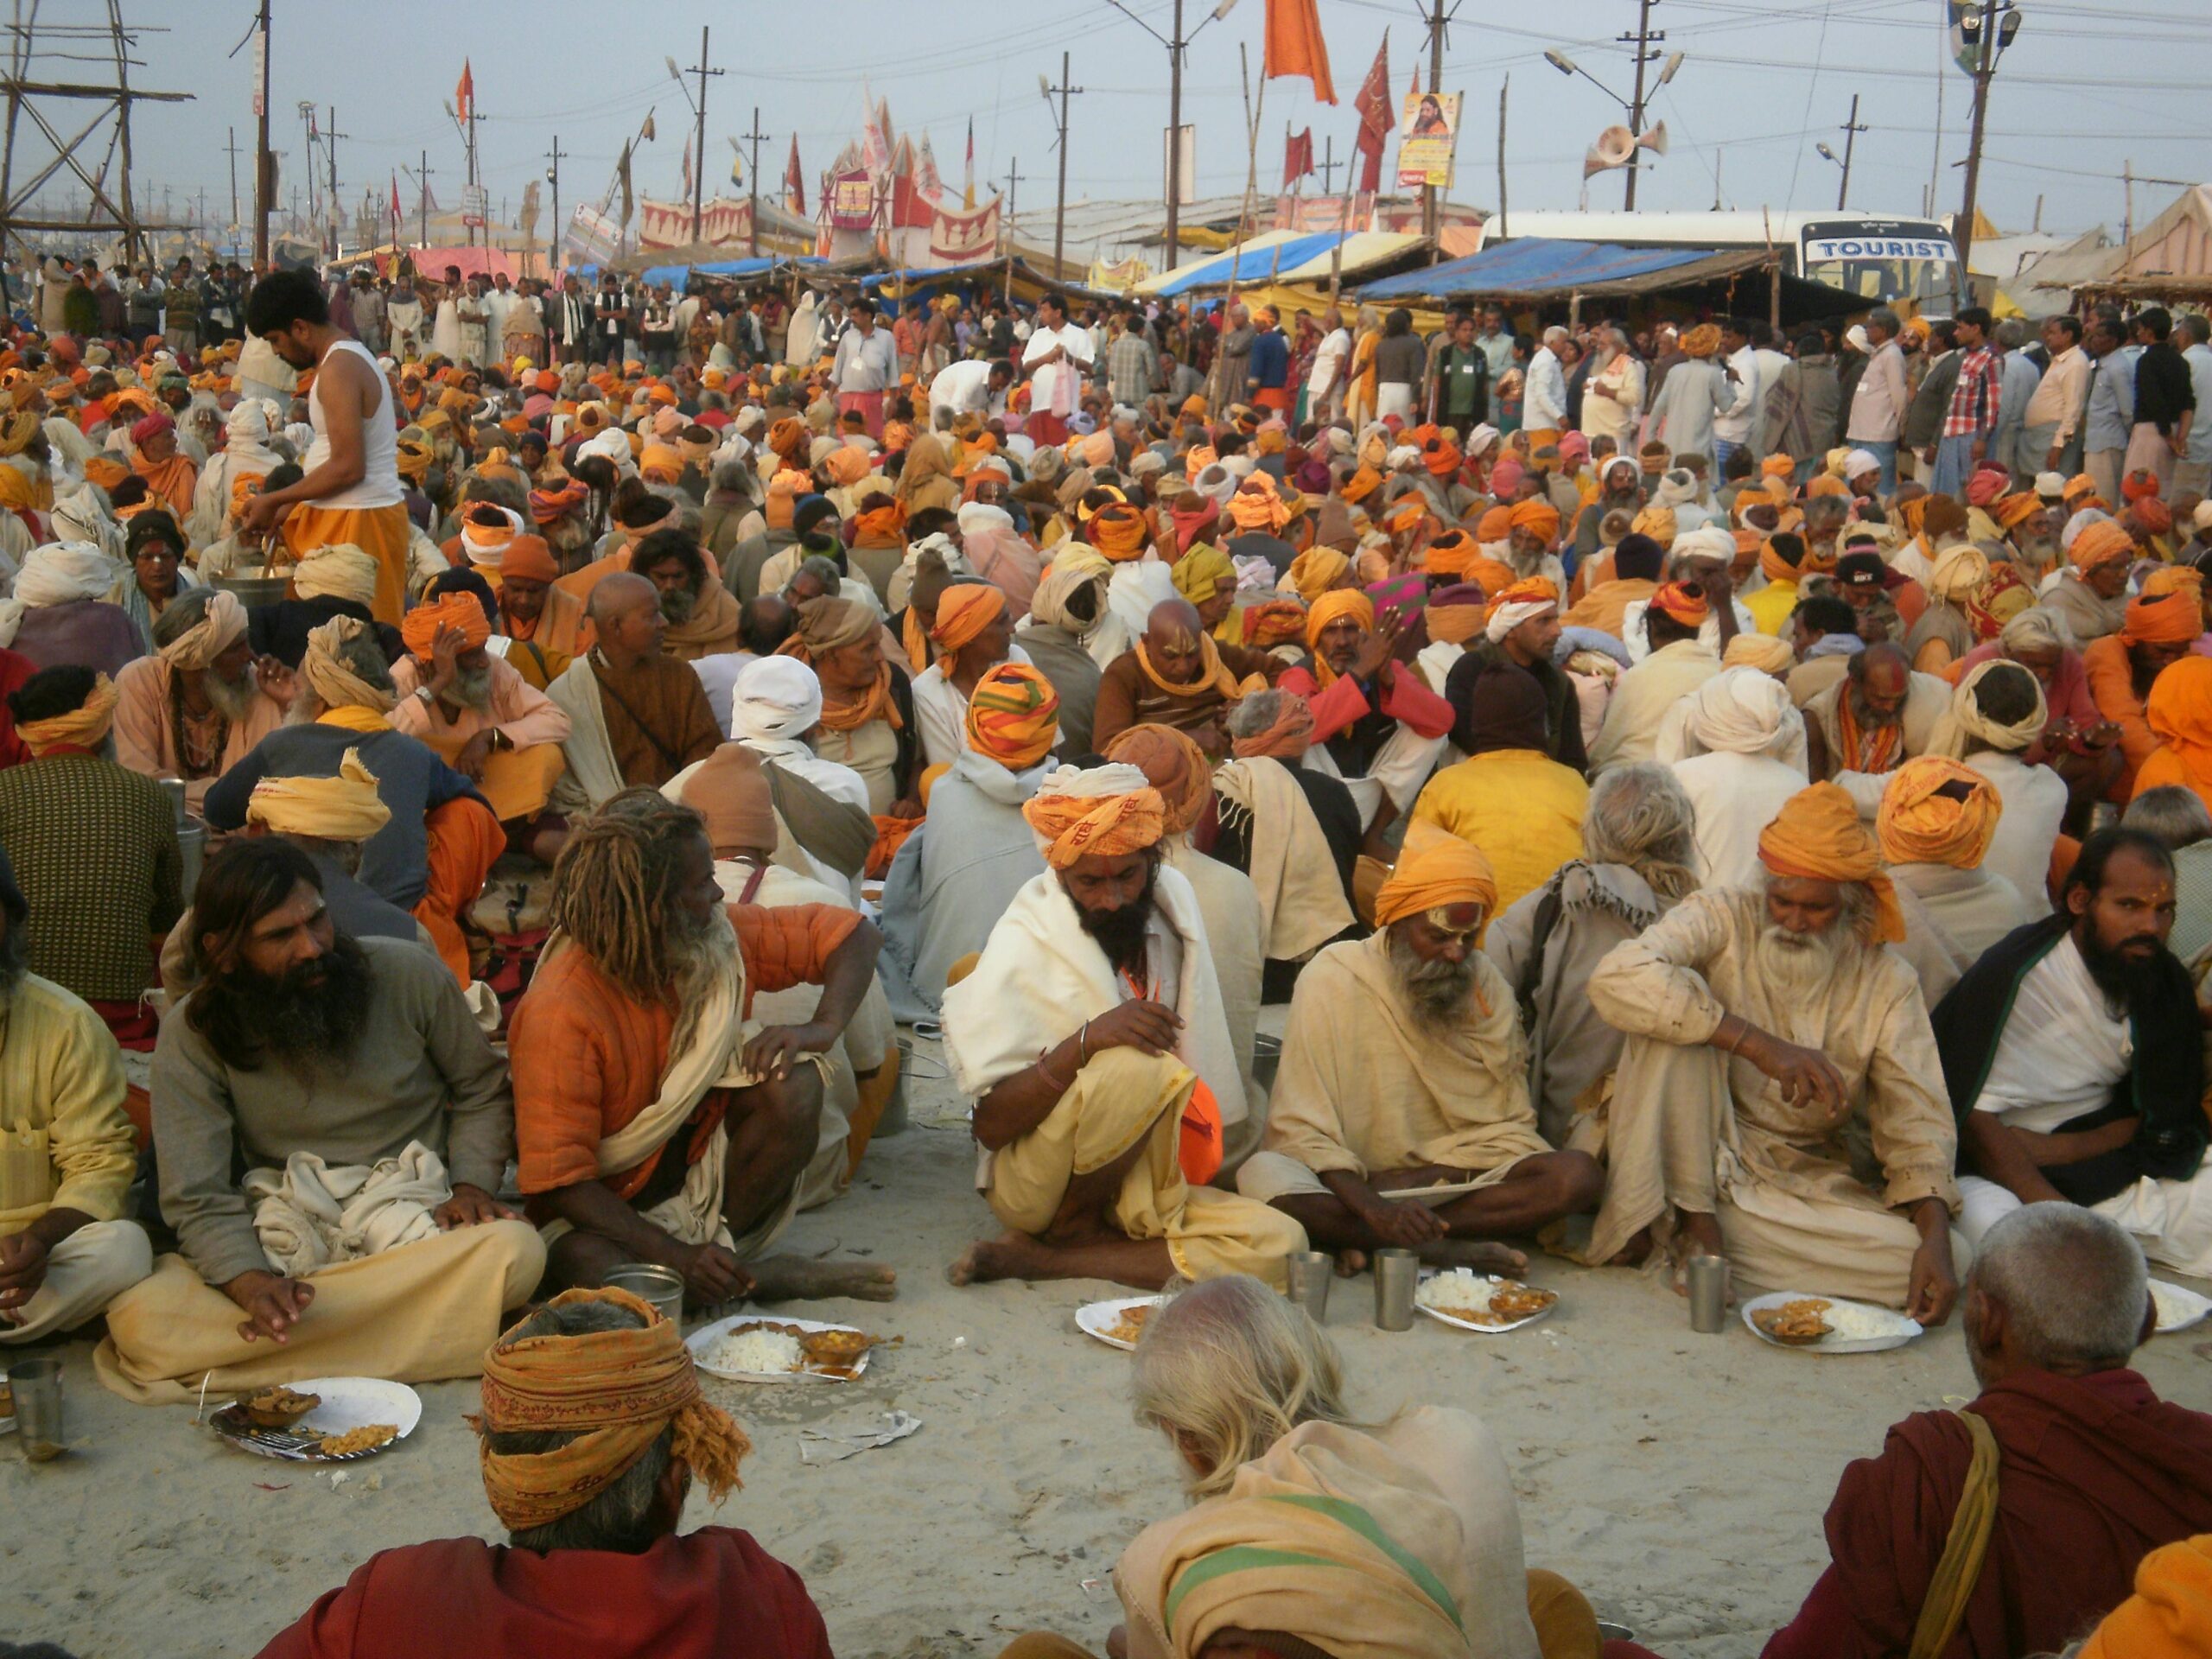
(1918,826)
(1333,607)
(1316,571)
(1760,651)
(963,611)
(1657,523)
(1203,573)
(343,808)
(328,678)
(1817,836)
(81,727)
(1013,716)
(1435,868)
(2101,543)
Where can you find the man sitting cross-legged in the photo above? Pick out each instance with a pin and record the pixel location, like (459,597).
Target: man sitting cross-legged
(373,1123)
(1746,1150)
(1092,1037)
(1404,1066)
(2066,1469)
(2073,1055)
(654,1121)
(593,1430)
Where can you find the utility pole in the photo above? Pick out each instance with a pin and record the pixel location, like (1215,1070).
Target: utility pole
(1176,42)
(233,146)
(699,145)
(265,164)
(1851,131)
(1428,194)
(553,178)
(1643,40)
(331,135)
(1014,176)
(305,107)
(1330,164)
(1060,206)
(1992,42)
(1504,86)
(753,178)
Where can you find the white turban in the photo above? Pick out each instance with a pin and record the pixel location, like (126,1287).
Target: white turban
(775,700)
(488,544)
(1964,720)
(1675,489)
(2037,629)
(1860,462)
(1503,619)
(221,624)
(2050,486)
(1742,711)
(1709,540)
(337,571)
(54,575)
(1402,459)
(2079,522)
(1216,483)
(1855,337)
(82,515)
(612,445)
(1481,438)
(1094,782)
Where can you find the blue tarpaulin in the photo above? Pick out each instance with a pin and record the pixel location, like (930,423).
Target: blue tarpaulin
(1250,265)
(1534,266)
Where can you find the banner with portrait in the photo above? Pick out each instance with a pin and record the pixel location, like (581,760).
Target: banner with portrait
(852,201)
(1426,133)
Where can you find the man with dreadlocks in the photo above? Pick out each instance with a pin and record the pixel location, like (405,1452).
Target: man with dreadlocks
(655,1121)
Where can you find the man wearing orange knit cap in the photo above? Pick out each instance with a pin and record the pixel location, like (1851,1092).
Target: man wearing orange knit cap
(1771,1022)
(2121,667)
(1403,1067)
(1091,1036)
(2091,592)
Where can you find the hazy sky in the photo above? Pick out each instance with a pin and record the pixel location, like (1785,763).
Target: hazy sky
(2088,85)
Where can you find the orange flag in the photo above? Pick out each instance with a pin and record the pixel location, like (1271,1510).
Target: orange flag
(1294,46)
(464,94)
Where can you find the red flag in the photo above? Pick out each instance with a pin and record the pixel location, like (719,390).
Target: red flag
(1294,46)
(1374,121)
(795,182)
(464,95)
(1416,87)
(395,201)
(1298,158)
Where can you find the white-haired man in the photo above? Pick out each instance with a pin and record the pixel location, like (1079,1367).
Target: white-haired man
(199,702)
(1761,1023)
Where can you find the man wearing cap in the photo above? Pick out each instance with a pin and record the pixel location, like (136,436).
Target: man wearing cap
(1404,1067)
(1676,663)
(199,702)
(1091,1036)
(1771,1021)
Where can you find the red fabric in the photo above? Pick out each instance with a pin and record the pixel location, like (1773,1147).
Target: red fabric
(705,1595)
(133,1025)
(1344,704)
(15,669)
(2096,1472)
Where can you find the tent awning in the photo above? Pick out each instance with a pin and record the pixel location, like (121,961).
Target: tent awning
(1263,258)
(1532,267)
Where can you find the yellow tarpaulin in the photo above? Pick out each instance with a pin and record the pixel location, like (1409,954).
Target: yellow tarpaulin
(1290,298)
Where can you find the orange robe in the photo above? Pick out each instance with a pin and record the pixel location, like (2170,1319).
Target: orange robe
(2112,685)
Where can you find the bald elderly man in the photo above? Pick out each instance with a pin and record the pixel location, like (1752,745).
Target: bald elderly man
(1177,675)
(636,716)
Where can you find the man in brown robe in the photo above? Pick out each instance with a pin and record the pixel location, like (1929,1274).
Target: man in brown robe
(1176,676)
(2094,1470)
(636,716)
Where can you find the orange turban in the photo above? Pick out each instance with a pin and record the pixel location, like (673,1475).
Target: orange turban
(1536,514)
(2010,511)
(1435,868)
(618,1391)
(1683,601)
(1527,597)
(1777,467)
(2170,1615)
(846,465)
(1495,525)
(105,471)
(1441,456)
(2170,618)
(1174,765)
(1333,607)
(419,627)
(1258,509)
(1107,820)
(659,464)
(1406,517)
(530,558)
(1772,565)
(2101,543)
(2175,579)
(1918,826)
(244,488)
(1817,836)
(1118,530)
(1449,553)
(1271,622)
(1361,484)
(964,610)
(1013,717)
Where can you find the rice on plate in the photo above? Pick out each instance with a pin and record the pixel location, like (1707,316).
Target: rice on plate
(756,1348)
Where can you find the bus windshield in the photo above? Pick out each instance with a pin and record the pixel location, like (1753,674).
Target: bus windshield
(1885,262)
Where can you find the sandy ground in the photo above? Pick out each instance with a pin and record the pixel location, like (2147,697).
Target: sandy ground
(1680,1479)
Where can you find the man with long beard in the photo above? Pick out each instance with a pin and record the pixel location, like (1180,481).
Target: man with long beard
(655,1121)
(197,705)
(374,1124)
(702,615)
(2072,1052)
(1404,1066)
(1765,1027)
(1090,1035)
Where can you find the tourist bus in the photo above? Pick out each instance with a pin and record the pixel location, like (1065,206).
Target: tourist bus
(1910,265)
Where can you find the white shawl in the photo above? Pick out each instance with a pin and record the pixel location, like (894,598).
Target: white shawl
(1301,901)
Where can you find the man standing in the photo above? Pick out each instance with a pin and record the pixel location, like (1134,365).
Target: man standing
(1129,363)
(2165,400)
(2051,438)
(1458,397)
(2193,472)
(1744,1151)
(1970,416)
(350,494)
(1233,360)
(368,311)
(180,312)
(1543,405)
(1057,359)
(1324,385)
(1879,401)
(2109,421)
(1732,422)
(1267,372)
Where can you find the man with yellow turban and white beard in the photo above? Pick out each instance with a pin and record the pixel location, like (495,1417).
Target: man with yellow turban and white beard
(1092,1037)
(1765,1028)
(1404,1066)
(197,705)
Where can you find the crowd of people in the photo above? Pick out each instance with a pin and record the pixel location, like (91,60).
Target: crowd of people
(486,769)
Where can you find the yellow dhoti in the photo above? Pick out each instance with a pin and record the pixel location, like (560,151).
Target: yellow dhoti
(420,1314)
(380,532)
(1120,1098)
(517,782)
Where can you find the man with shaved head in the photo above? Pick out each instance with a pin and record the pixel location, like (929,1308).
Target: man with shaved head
(1869,723)
(636,716)
(1177,675)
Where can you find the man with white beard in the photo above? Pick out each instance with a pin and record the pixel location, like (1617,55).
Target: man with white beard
(1764,1026)
(199,702)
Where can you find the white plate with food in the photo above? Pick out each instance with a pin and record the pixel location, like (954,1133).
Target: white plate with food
(1117,1324)
(2178,1309)
(1827,1324)
(760,1348)
(321,1419)
(1469,1301)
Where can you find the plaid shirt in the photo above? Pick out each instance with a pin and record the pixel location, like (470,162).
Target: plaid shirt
(1973,400)
(1129,367)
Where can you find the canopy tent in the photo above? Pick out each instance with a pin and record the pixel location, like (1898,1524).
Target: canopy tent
(431,262)
(1540,271)
(1260,258)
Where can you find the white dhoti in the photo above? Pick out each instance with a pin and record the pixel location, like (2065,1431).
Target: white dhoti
(84,1273)
(2171,1220)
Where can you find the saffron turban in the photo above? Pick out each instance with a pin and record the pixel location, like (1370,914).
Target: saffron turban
(2179,709)
(1118,530)
(1174,765)
(1537,515)
(1013,716)
(1435,869)
(2152,514)
(1203,573)
(1519,603)
(1777,467)
(2101,542)
(1108,810)
(658,463)
(420,627)
(846,465)
(1775,565)
(2175,579)
(556,501)
(341,571)
(1333,607)
(1361,484)
(1317,571)
(1916,825)
(329,677)
(1447,556)
(1657,523)
(529,559)
(1761,650)
(1255,510)
(221,624)
(413,460)
(343,808)
(1405,517)
(730,791)
(1684,602)
(1441,456)
(1701,341)
(1457,614)
(1273,622)
(616,1390)
(80,728)
(2011,510)
(964,611)
(2169,619)
(244,488)
(487,530)
(2138,486)
(1287,739)
(1817,836)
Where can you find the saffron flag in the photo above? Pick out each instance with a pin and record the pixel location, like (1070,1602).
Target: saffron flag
(736,165)
(1373,104)
(464,95)
(395,205)
(1294,46)
(687,169)
(795,182)
(1298,158)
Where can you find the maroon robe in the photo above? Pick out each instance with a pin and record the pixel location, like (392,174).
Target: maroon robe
(709,1594)
(2096,1472)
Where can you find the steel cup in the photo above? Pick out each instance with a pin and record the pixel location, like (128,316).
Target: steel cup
(1397,1273)
(1311,1274)
(36,1384)
(661,1286)
(1708,1289)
